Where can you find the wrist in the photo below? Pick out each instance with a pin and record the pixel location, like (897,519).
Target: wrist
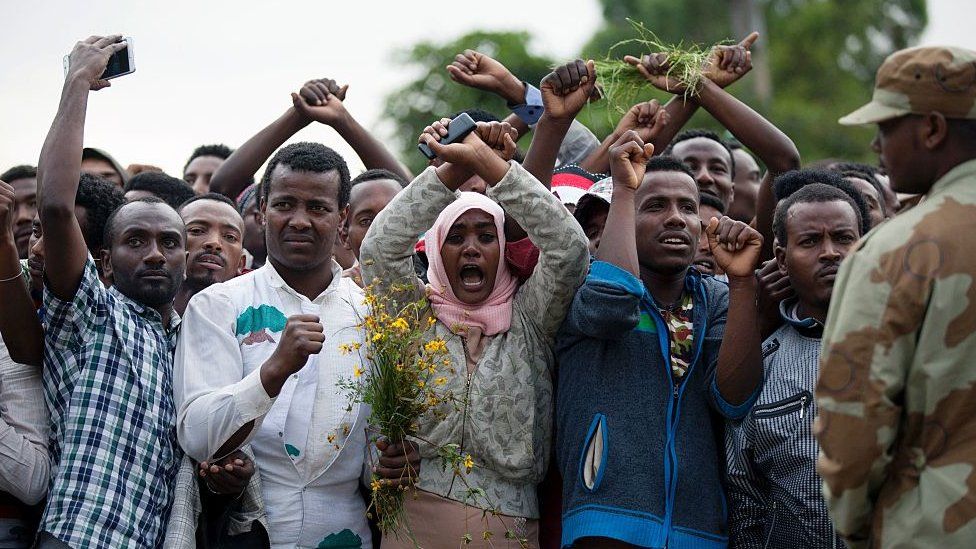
(273,376)
(740,283)
(491,167)
(344,123)
(563,122)
(512,90)
(452,176)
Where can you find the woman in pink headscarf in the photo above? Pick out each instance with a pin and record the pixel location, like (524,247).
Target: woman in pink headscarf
(499,335)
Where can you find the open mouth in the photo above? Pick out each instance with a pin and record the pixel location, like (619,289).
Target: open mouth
(674,241)
(472,277)
(705,266)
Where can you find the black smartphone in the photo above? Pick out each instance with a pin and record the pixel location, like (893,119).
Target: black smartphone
(121,63)
(458,129)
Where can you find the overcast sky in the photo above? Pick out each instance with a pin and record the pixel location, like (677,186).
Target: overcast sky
(218,71)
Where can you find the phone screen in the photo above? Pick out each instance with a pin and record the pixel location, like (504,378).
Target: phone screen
(117,64)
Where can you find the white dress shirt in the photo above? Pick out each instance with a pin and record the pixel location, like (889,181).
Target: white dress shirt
(310,441)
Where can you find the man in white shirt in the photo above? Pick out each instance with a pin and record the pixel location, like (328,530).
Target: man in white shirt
(258,361)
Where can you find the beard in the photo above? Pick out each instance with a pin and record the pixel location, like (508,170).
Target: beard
(152,293)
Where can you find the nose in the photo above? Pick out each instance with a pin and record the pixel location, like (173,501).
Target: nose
(830,251)
(674,220)
(702,176)
(299,219)
(24,214)
(471,248)
(876,143)
(703,242)
(154,255)
(212,241)
(37,249)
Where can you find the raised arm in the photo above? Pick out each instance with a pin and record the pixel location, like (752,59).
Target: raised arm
(322,100)
(648,119)
(19,326)
(237,172)
(59,167)
(628,159)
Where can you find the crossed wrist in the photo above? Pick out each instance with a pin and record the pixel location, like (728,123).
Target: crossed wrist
(512,90)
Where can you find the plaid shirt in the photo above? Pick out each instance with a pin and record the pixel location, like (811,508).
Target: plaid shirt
(108,367)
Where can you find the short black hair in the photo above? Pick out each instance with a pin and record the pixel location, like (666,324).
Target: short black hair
(99,197)
(814,192)
(668,163)
(707,134)
(23,171)
(705,199)
(218,149)
(308,157)
(478,115)
(247,195)
(109,231)
(378,173)
(792,181)
(207,196)
(171,190)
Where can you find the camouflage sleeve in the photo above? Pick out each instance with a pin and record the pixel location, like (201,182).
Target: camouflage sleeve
(387,251)
(563,253)
(868,344)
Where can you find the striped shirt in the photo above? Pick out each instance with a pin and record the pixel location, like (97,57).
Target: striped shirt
(774,489)
(108,369)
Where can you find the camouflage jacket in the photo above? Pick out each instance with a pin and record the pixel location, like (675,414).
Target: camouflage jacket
(897,388)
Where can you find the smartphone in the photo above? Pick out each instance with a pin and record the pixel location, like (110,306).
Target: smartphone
(121,63)
(458,129)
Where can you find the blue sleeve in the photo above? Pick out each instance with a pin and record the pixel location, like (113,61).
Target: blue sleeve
(607,305)
(531,111)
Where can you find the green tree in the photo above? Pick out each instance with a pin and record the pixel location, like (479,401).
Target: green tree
(433,95)
(822,57)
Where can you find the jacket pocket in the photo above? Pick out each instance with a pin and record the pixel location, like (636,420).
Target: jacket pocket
(596,448)
(799,401)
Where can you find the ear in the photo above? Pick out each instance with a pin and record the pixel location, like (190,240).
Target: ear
(241,264)
(106,257)
(262,210)
(935,130)
(780,253)
(344,229)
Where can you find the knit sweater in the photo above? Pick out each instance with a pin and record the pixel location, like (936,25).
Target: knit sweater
(641,457)
(506,424)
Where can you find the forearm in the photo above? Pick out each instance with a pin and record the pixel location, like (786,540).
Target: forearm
(24,467)
(521,128)
(370,150)
(757,134)
(19,326)
(388,248)
(598,161)
(237,172)
(679,112)
(765,208)
(618,245)
(740,370)
(541,158)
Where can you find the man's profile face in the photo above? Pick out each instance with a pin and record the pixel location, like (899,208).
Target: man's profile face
(146,258)
(366,200)
(710,163)
(102,168)
(745,185)
(704,260)
(200,170)
(214,242)
(302,217)
(25,208)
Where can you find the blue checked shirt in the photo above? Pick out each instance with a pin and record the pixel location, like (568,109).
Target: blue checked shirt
(108,382)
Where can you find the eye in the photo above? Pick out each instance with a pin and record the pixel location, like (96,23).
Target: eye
(317,207)
(281,206)
(486,238)
(689,208)
(36,232)
(846,239)
(453,239)
(170,242)
(231,237)
(718,168)
(366,222)
(134,242)
(195,231)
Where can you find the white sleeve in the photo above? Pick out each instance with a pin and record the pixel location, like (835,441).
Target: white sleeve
(24,466)
(214,398)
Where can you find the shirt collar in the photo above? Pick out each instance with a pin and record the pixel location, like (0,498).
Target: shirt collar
(963,173)
(275,281)
(789,310)
(145,312)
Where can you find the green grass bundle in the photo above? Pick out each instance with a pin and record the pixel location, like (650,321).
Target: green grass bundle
(622,83)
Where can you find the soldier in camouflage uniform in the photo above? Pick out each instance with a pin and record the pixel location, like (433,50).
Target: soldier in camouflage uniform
(897,389)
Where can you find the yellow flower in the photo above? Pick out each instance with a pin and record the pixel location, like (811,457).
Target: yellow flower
(401,325)
(421,384)
(446,362)
(377,337)
(435,346)
(431,321)
(331,437)
(356,346)
(440,380)
(468,463)
(358,371)
(375,485)
(345,349)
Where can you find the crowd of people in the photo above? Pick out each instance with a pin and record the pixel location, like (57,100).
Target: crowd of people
(667,338)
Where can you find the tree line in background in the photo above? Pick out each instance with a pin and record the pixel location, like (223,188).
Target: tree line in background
(815,61)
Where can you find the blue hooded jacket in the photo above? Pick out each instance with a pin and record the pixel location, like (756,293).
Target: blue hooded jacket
(642,459)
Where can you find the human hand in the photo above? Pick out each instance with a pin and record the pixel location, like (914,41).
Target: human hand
(7,207)
(320,100)
(727,64)
(734,245)
(654,68)
(477,70)
(773,282)
(647,119)
(228,476)
(303,336)
(467,154)
(89,58)
(628,159)
(399,463)
(500,137)
(567,89)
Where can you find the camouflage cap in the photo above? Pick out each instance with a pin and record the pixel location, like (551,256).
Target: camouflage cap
(921,80)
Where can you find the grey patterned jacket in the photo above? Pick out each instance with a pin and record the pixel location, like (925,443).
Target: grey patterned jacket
(774,489)
(507,425)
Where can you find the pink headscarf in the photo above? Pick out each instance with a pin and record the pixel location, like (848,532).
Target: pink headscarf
(494,314)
